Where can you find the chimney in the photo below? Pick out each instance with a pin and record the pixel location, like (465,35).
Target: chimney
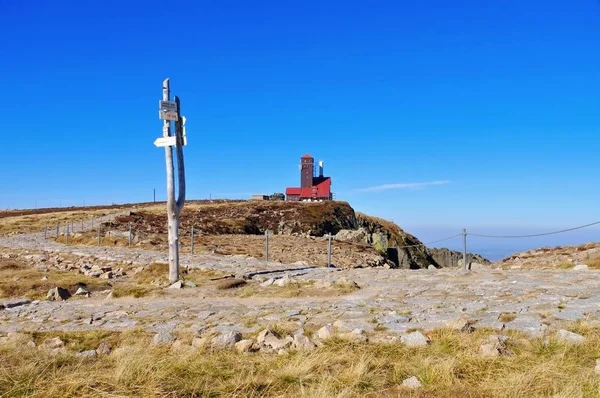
(321,168)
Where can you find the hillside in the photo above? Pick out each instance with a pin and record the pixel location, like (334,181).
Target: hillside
(555,257)
(298,232)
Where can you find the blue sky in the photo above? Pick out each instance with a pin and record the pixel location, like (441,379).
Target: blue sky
(439,115)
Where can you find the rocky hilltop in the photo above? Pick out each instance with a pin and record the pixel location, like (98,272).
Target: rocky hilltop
(305,220)
(584,256)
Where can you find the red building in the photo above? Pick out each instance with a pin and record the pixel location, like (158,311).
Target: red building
(312,187)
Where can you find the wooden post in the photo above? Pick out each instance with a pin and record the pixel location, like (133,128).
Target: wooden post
(174,207)
(192,240)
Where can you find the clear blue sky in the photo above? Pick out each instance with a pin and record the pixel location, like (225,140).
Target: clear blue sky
(496,101)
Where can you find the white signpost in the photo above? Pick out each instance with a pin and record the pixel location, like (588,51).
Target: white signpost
(170,111)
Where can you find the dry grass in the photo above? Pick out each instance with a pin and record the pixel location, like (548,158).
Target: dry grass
(32,223)
(566,265)
(20,280)
(449,367)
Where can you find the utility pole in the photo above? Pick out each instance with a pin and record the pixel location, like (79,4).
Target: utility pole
(170,111)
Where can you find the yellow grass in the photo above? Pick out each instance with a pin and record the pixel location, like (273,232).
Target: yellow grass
(20,280)
(450,367)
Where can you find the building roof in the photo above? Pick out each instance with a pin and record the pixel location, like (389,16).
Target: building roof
(306,156)
(320,189)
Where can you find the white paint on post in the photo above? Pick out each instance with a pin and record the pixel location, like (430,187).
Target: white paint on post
(174,207)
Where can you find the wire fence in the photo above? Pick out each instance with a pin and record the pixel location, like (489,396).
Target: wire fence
(98,224)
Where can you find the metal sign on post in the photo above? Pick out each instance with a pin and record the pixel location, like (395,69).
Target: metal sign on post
(168,110)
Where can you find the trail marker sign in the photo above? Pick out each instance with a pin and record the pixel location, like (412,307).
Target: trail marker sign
(168,141)
(168,110)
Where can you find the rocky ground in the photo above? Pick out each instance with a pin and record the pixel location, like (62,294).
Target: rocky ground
(306,303)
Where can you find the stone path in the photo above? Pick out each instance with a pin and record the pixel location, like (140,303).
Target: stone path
(388,303)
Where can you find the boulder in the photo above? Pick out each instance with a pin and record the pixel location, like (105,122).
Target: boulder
(244,346)
(286,280)
(566,337)
(353,236)
(88,354)
(53,343)
(82,291)
(103,349)
(107,275)
(176,285)
(580,267)
(355,336)
(273,340)
(226,340)
(345,282)
(302,342)
(326,332)
(489,350)
(163,338)
(57,294)
(268,282)
(414,339)
(412,383)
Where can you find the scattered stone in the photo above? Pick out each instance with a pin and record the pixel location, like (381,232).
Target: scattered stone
(344,282)
(107,275)
(566,337)
(580,267)
(44,278)
(82,291)
(189,284)
(412,383)
(286,280)
(489,350)
(414,339)
(431,267)
(326,332)
(176,285)
(273,340)
(356,336)
(268,282)
(302,342)
(88,354)
(58,293)
(321,284)
(244,346)
(597,368)
(53,343)
(394,319)
(109,295)
(225,340)
(103,349)
(163,338)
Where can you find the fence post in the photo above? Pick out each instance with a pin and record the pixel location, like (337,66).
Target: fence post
(192,243)
(45,231)
(99,234)
(67,234)
(92,227)
(129,234)
(82,225)
(56,230)
(464,234)
(329,251)
(267,246)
